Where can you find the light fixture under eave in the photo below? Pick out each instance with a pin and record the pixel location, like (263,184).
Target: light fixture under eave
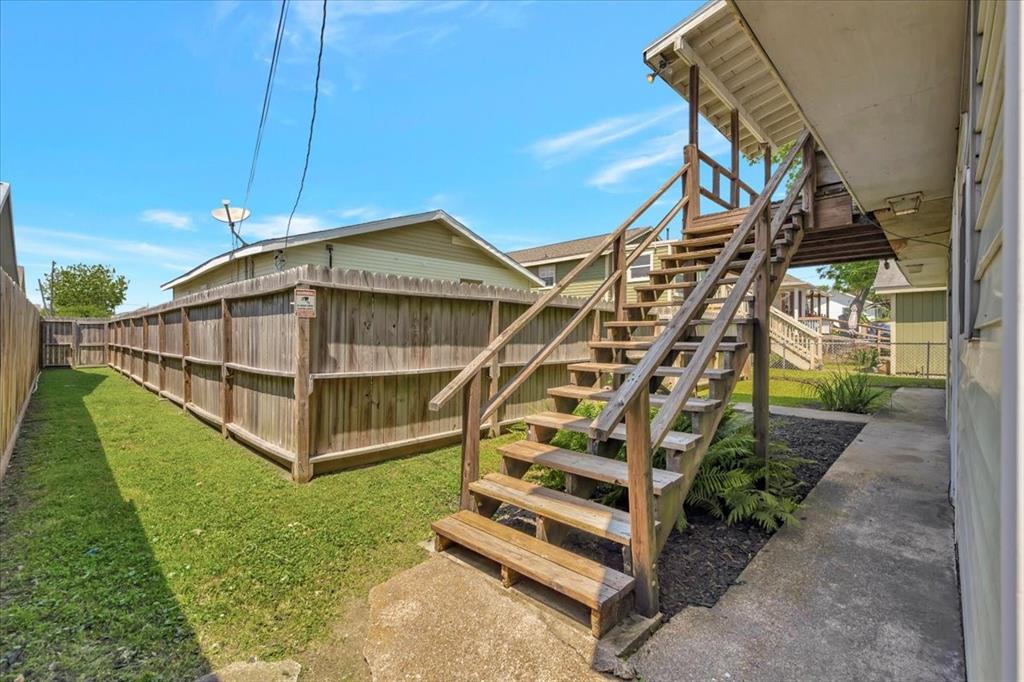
(905,204)
(662,63)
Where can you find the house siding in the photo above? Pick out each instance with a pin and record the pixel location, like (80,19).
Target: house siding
(429,250)
(919,318)
(977,347)
(587,282)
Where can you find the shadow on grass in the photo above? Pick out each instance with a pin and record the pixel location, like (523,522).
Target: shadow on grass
(81,594)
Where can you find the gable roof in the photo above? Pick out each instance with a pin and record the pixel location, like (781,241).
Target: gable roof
(574,247)
(277,243)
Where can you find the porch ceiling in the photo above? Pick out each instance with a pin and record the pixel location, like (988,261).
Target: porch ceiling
(879,84)
(734,75)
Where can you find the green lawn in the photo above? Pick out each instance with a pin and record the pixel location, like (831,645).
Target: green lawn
(793,387)
(136,543)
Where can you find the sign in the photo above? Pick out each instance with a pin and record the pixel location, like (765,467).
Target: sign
(305,303)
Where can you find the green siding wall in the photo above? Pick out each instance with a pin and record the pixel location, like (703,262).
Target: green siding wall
(919,318)
(427,250)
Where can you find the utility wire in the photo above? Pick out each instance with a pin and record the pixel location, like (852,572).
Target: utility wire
(268,90)
(312,124)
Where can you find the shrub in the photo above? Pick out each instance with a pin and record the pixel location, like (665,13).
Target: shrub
(864,359)
(848,392)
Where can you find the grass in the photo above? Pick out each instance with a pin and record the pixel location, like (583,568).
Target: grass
(136,543)
(793,387)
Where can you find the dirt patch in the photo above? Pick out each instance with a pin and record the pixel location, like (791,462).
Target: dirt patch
(339,655)
(699,564)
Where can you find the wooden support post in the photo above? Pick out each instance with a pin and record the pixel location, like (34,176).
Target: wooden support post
(767,163)
(643,545)
(161,347)
(226,395)
(470,440)
(734,165)
(186,368)
(810,185)
(762,339)
(494,372)
(694,97)
(302,468)
(691,156)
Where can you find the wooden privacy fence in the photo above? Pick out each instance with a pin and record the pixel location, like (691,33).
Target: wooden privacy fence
(72,342)
(19,361)
(328,368)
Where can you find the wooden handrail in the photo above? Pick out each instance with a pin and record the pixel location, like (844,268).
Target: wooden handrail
(538,358)
(639,379)
(482,358)
(684,386)
(723,170)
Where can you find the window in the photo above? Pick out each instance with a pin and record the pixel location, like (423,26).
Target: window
(463,280)
(547,274)
(640,270)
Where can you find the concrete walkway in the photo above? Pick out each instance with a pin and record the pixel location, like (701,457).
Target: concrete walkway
(864,589)
(809,413)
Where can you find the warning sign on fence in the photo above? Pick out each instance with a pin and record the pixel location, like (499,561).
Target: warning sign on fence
(305,303)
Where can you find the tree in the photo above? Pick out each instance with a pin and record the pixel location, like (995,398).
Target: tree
(855,279)
(84,290)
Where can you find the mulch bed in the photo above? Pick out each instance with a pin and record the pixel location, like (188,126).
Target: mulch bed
(699,564)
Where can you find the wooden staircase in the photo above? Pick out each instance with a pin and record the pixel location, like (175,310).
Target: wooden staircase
(691,329)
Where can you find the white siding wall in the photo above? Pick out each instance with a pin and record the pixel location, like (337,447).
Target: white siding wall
(977,345)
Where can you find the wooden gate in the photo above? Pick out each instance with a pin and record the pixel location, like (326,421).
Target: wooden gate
(72,343)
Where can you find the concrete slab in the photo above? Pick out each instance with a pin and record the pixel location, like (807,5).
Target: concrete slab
(255,671)
(864,588)
(449,618)
(809,413)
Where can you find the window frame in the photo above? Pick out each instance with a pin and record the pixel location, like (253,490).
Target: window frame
(554,274)
(650,266)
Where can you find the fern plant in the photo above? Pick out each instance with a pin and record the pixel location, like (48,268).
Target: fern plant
(732,483)
(848,392)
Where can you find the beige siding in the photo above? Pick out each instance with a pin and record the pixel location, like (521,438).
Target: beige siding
(429,250)
(979,374)
(919,318)
(590,279)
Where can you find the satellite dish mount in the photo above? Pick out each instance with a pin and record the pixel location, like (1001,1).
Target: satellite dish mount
(232,216)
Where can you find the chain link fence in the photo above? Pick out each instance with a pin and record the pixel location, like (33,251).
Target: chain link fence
(914,359)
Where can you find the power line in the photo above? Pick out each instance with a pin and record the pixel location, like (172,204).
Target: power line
(267,93)
(312,123)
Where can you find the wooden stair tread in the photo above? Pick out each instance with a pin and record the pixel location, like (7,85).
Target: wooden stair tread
(577,577)
(675,440)
(626,368)
(586,515)
(604,394)
(723,347)
(677,302)
(579,463)
(629,324)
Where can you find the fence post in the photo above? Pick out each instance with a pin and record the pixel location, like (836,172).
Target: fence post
(495,368)
(470,440)
(928,359)
(186,369)
(226,397)
(160,349)
(76,359)
(145,350)
(302,469)
(643,547)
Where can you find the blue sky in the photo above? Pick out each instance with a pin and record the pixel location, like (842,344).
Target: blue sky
(123,124)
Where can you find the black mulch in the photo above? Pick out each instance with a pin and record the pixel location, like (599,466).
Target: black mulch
(699,564)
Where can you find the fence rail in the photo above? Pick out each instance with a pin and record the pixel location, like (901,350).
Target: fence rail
(67,342)
(19,361)
(346,381)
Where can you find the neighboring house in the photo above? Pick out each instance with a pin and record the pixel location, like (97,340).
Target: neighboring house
(432,245)
(8,254)
(551,262)
(919,333)
(917,106)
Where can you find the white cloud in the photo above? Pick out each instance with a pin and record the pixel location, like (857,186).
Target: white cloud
(439,200)
(275,225)
(567,146)
(664,150)
(172,219)
(72,246)
(364,214)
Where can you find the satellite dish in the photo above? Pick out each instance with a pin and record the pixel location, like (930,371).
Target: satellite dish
(230,214)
